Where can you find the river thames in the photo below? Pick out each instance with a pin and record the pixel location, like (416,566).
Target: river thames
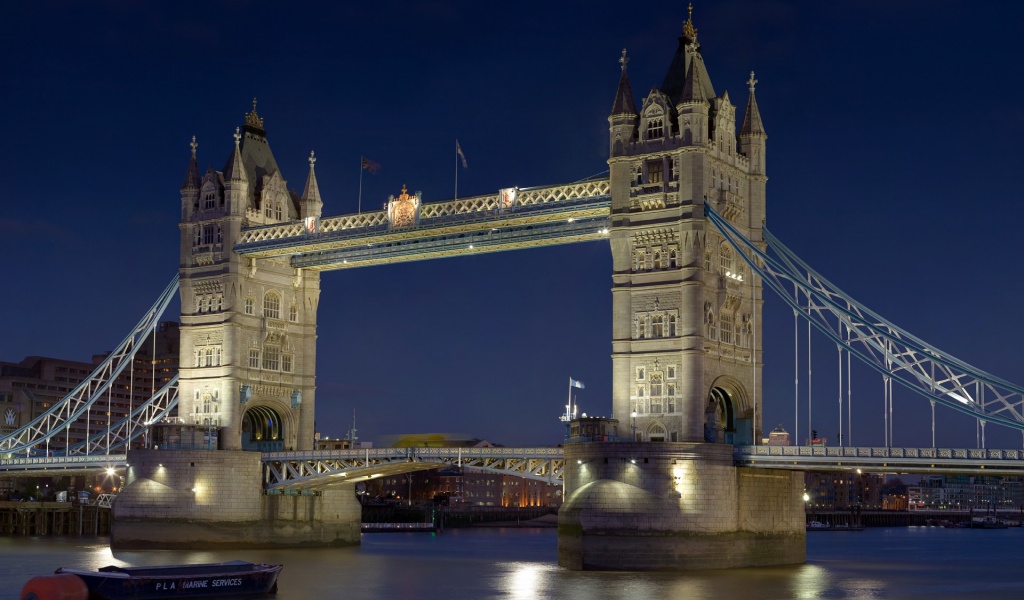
(514,564)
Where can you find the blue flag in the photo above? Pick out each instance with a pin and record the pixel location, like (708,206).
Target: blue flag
(575,384)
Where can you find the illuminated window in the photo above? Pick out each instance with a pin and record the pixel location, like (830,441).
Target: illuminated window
(272,306)
(249,306)
(254,359)
(654,171)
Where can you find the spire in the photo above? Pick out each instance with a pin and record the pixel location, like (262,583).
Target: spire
(312,191)
(692,92)
(624,104)
(235,170)
(192,174)
(752,118)
(687,56)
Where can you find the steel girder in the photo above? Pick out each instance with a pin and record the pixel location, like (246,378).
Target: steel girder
(882,460)
(315,469)
(52,422)
(895,353)
(59,465)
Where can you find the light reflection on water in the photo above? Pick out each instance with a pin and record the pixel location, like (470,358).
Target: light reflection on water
(520,564)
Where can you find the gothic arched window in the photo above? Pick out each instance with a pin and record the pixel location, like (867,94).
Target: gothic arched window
(272,306)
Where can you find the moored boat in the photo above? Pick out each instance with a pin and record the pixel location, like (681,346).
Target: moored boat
(234,578)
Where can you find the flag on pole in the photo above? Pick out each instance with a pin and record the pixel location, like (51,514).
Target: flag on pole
(458,150)
(370,166)
(575,384)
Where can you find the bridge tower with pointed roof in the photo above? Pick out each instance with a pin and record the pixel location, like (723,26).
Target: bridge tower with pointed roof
(248,326)
(686,347)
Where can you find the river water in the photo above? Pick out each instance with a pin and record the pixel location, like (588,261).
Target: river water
(514,564)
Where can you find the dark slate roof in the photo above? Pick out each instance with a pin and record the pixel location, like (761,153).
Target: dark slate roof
(692,90)
(624,104)
(192,174)
(675,78)
(752,118)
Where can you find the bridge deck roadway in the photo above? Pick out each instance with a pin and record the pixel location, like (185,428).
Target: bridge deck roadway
(314,469)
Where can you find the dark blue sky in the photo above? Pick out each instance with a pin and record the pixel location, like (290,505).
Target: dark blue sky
(894,133)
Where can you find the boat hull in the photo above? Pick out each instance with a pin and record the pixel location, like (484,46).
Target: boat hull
(180,581)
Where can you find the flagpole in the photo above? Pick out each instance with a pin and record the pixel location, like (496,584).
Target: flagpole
(456,168)
(360,184)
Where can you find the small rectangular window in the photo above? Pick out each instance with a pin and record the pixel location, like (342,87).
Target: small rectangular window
(654,171)
(254,359)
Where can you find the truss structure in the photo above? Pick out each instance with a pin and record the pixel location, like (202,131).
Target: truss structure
(53,422)
(315,469)
(529,217)
(121,434)
(896,354)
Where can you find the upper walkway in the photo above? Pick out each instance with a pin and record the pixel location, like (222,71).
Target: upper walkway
(513,218)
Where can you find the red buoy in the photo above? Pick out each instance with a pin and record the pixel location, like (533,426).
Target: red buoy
(55,587)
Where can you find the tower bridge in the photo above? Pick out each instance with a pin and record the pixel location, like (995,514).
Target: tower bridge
(683,210)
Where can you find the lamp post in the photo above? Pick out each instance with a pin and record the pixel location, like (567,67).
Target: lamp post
(633,415)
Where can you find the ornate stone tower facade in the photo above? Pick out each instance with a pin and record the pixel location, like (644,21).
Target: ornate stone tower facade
(248,327)
(686,353)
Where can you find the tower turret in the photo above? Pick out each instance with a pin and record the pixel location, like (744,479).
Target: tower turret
(622,120)
(310,204)
(752,135)
(190,187)
(236,180)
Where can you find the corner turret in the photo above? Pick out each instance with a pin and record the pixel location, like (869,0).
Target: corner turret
(310,204)
(623,118)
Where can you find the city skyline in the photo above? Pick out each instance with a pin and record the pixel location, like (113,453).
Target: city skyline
(875,178)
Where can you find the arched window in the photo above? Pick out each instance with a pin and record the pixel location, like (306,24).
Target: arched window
(208,359)
(657,260)
(277,211)
(672,326)
(656,387)
(725,259)
(725,327)
(657,326)
(272,306)
(707,260)
(655,128)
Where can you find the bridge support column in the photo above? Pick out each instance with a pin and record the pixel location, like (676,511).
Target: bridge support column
(215,499)
(676,506)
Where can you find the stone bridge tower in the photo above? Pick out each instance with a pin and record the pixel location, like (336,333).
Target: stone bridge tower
(248,327)
(686,353)
(686,348)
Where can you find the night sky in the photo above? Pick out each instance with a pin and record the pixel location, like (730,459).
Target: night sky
(894,151)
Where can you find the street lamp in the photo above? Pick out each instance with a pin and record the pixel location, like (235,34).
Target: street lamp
(633,414)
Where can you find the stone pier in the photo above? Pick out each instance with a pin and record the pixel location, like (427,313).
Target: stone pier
(214,499)
(651,506)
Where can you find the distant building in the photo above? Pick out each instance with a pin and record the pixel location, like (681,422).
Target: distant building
(451,486)
(840,490)
(779,437)
(966,492)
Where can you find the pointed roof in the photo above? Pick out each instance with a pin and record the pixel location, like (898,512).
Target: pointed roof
(312,191)
(192,174)
(235,170)
(752,124)
(687,56)
(692,90)
(624,104)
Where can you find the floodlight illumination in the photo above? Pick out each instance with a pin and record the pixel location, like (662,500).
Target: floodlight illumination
(110,470)
(571,219)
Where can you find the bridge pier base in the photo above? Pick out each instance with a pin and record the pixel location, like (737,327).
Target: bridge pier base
(215,499)
(676,506)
